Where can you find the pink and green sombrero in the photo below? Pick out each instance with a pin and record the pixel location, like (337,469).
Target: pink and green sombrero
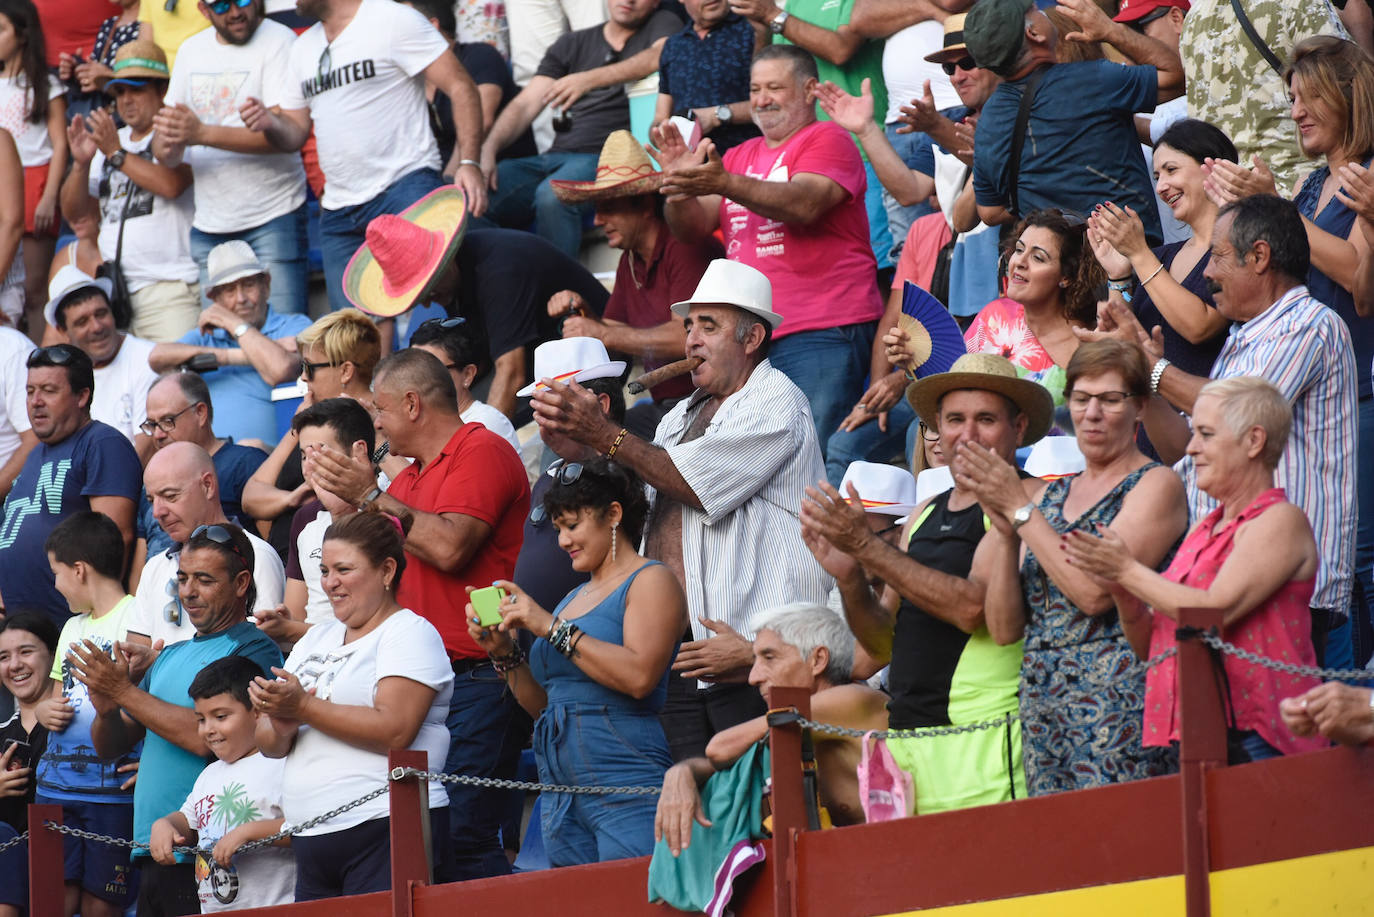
(404,253)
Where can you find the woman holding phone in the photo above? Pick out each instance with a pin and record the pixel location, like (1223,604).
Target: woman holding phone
(597,674)
(28,641)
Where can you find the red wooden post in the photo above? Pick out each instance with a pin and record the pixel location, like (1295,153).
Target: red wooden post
(410,841)
(46,893)
(788,799)
(1202,746)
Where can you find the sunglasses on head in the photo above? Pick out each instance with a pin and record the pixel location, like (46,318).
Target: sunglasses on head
(1158,12)
(55,355)
(221,536)
(564,473)
(445,323)
(220,7)
(964,63)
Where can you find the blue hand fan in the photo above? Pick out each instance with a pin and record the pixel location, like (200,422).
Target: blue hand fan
(936,341)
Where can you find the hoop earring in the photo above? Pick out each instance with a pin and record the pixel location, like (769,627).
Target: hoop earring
(614,539)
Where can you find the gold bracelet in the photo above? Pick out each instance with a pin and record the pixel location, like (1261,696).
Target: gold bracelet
(619,438)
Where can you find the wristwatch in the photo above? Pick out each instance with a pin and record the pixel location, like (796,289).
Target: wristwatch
(1021,516)
(723,114)
(240,330)
(117,158)
(778,22)
(372,494)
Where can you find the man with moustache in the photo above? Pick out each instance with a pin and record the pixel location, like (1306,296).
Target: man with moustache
(726,471)
(789,202)
(244,187)
(1260,256)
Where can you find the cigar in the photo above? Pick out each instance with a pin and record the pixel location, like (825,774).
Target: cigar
(663,374)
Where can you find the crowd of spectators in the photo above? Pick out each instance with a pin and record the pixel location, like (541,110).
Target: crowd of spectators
(1152,220)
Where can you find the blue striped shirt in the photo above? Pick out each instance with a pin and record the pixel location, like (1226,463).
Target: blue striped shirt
(1304,349)
(744,554)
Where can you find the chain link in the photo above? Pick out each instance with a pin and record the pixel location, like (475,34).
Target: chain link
(496,783)
(1288,668)
(14,842)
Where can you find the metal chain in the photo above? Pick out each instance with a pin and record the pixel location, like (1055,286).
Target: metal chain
(309,823)
(1153,661)
(495,783)
(14,842)
(927,732)
(1288,668)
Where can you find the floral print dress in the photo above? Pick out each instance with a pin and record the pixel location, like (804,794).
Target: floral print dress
(1000,327)
(1082,687)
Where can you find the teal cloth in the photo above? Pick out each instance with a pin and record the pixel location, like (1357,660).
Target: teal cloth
(732,800)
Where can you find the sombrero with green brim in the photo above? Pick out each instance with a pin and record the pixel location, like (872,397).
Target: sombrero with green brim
(404,253)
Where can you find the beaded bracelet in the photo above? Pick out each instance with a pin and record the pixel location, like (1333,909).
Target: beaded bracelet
(509,662)
(620,438)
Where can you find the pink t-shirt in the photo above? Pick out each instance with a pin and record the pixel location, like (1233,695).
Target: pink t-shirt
(1279,628)
(824,275)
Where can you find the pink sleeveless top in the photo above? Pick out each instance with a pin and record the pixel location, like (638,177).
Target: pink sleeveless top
(1279,628)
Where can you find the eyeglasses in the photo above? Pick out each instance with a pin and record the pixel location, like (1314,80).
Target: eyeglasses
(1108,401)
(221,536)
(55,355)
(965,63)
(1158,12)
(308,369)
(564,473)
(220,7)
(166,424)
(930,434)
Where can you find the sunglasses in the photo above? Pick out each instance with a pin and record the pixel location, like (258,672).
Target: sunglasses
(445,323)
(171,612)
(221,536)
(325,65)
(564,473)
(166,424)
(220,7)
(308,369)
(55,355)
(965,63)
(1158,12)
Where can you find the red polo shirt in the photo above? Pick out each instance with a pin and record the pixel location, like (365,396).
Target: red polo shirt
(479,475)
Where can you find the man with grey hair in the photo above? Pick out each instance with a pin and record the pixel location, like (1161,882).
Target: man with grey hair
(800,645)
(1085,149)
(727,469)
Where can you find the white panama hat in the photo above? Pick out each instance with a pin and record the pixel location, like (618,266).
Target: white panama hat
(68,280)
(571,360)
(884,489)
(731,283)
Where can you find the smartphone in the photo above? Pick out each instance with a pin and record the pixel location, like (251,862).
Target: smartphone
(21,754)
(487,603)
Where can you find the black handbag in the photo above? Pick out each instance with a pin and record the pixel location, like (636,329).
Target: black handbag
(121,300)
(939,280)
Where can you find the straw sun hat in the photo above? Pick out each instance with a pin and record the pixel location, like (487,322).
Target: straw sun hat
(395,268)
(623,170)
(987,372)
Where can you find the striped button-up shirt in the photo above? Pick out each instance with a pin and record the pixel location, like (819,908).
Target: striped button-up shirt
(1304,349)
(742,553)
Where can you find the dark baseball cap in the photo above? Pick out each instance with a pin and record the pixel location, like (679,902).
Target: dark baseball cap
(994,31)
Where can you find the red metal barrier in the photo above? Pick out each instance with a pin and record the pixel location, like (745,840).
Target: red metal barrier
(46,894)
(1202,746)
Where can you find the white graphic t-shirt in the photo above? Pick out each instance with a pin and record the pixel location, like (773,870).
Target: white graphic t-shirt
(225,796)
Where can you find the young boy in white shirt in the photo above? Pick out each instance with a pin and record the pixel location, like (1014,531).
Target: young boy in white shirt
(235,800)
(86,553)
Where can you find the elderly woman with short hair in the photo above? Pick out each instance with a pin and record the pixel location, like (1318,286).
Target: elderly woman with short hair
(1253,557)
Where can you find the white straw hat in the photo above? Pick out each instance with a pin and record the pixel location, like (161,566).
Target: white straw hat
(571,360)
(69,279)
(884,489)
(731,283)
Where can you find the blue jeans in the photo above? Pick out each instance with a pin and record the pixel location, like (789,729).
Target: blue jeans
(280,244)
(487,729)
(829,365)
(900,217)
(1362,598)
(878,236)
(523,193)
(870,444)
(343,231)
(595,745)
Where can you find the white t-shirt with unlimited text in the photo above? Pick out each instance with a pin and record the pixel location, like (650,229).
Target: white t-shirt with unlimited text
(225,796)
(121,387)
(15,348)
(157,593)
(237,191)
(323,772)
(371,118)
(493,420)
(157,230)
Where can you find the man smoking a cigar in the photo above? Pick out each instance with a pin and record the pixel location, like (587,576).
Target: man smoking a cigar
(655,271)
(726,474)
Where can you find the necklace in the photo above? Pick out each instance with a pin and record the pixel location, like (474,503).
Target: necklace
(638,284)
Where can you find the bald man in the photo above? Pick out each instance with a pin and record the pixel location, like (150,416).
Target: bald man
(469,496)
(181,483)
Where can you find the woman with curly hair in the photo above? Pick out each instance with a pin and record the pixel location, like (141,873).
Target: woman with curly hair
(597,674)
